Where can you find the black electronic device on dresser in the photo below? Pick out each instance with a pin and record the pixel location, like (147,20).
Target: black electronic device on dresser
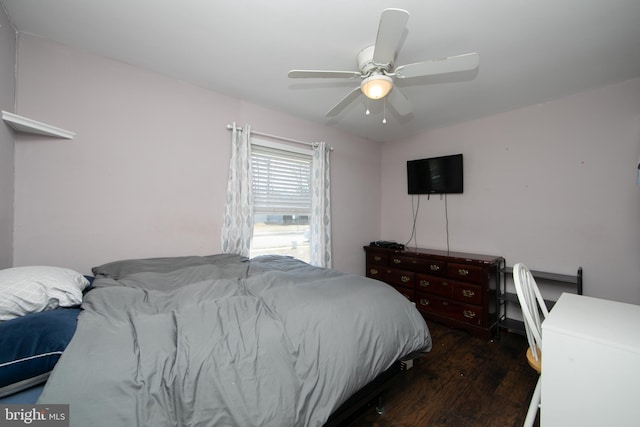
(453,288)
(387,244)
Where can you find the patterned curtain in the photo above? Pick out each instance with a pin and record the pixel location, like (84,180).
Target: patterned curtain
(237,228)
(320,207)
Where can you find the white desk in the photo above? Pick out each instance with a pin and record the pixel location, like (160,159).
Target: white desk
(590,363)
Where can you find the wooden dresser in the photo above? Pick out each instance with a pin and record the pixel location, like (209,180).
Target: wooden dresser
(453,288)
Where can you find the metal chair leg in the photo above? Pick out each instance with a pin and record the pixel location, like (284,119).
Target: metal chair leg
(534,405)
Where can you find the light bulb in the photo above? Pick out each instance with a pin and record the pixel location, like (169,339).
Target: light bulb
(377,86)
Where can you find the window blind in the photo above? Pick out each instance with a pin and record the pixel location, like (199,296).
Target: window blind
(281,181)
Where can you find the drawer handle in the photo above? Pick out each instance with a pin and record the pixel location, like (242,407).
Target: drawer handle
(424,283)
(397,261)
(468,293)
(424,301)
(373,271)
(434,267)
(463,272)
(445,303)
(405,279)
(377,258)
(445,284)
(469,314)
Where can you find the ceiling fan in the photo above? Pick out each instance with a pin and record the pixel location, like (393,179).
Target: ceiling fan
(378,71)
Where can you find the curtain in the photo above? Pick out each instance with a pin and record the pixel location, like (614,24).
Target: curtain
(237,228)
(320,220)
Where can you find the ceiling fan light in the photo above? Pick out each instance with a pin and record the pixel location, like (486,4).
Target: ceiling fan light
(376,86)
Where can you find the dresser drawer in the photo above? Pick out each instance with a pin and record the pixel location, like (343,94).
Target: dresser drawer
(468,313)
(377,259)
(408,293)
(467,273)
(434,285)
(403,278)
(376,272)
(435,305)
(453,310)
(436,268)
(467,293)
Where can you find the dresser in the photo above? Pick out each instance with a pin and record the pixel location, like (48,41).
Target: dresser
(453,288)
(590,363)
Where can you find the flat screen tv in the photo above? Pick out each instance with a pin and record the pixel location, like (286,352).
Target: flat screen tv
(435,175)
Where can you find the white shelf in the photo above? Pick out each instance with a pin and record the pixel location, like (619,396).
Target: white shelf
(23,124)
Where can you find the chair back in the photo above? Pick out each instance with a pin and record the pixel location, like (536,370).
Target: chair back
(533,307)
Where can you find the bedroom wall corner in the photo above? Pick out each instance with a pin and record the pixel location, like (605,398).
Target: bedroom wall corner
(551,185)
(143,175)
(7,157)
(146,174)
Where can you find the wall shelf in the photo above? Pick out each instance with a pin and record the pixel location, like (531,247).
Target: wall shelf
(24,124)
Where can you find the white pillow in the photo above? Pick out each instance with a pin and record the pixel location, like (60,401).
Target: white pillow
(25,290)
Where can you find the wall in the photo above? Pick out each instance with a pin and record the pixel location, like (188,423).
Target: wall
(7,100)
(551,185)
(147,171)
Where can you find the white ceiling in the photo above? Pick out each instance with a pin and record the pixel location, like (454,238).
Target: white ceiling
(531,51)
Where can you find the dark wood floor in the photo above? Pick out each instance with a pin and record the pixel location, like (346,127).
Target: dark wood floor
(464,381)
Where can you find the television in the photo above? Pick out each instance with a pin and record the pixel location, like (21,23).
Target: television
(435,175)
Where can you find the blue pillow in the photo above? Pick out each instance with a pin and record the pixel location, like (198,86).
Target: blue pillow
(31,345)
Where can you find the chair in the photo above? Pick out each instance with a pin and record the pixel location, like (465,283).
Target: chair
(534,311)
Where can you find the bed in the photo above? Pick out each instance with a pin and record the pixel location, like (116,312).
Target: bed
(39,307)
(223,340)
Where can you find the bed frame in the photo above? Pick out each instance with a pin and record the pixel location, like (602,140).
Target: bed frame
(372,391)
(351,408)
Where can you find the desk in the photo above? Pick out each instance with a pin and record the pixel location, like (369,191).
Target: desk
(590,363)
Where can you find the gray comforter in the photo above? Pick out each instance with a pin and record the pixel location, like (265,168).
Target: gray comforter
(223,341)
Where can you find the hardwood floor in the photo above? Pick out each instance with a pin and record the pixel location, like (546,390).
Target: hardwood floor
(464,381)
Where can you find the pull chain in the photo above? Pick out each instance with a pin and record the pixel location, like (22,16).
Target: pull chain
(384,111)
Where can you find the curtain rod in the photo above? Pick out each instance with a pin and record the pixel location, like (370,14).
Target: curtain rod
(281,138)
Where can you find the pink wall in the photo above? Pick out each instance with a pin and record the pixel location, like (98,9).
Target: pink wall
(7,98)
(146,173)
(551,185)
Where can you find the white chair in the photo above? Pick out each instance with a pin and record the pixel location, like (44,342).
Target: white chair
(534,311)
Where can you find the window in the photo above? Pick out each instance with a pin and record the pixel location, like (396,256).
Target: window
(281,199)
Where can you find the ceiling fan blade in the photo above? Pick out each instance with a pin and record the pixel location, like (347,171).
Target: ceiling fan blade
(399,101)
(343,103)
(452,64)
(393,23)
(297,74)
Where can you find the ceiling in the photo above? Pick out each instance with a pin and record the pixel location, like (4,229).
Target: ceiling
(531,51)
